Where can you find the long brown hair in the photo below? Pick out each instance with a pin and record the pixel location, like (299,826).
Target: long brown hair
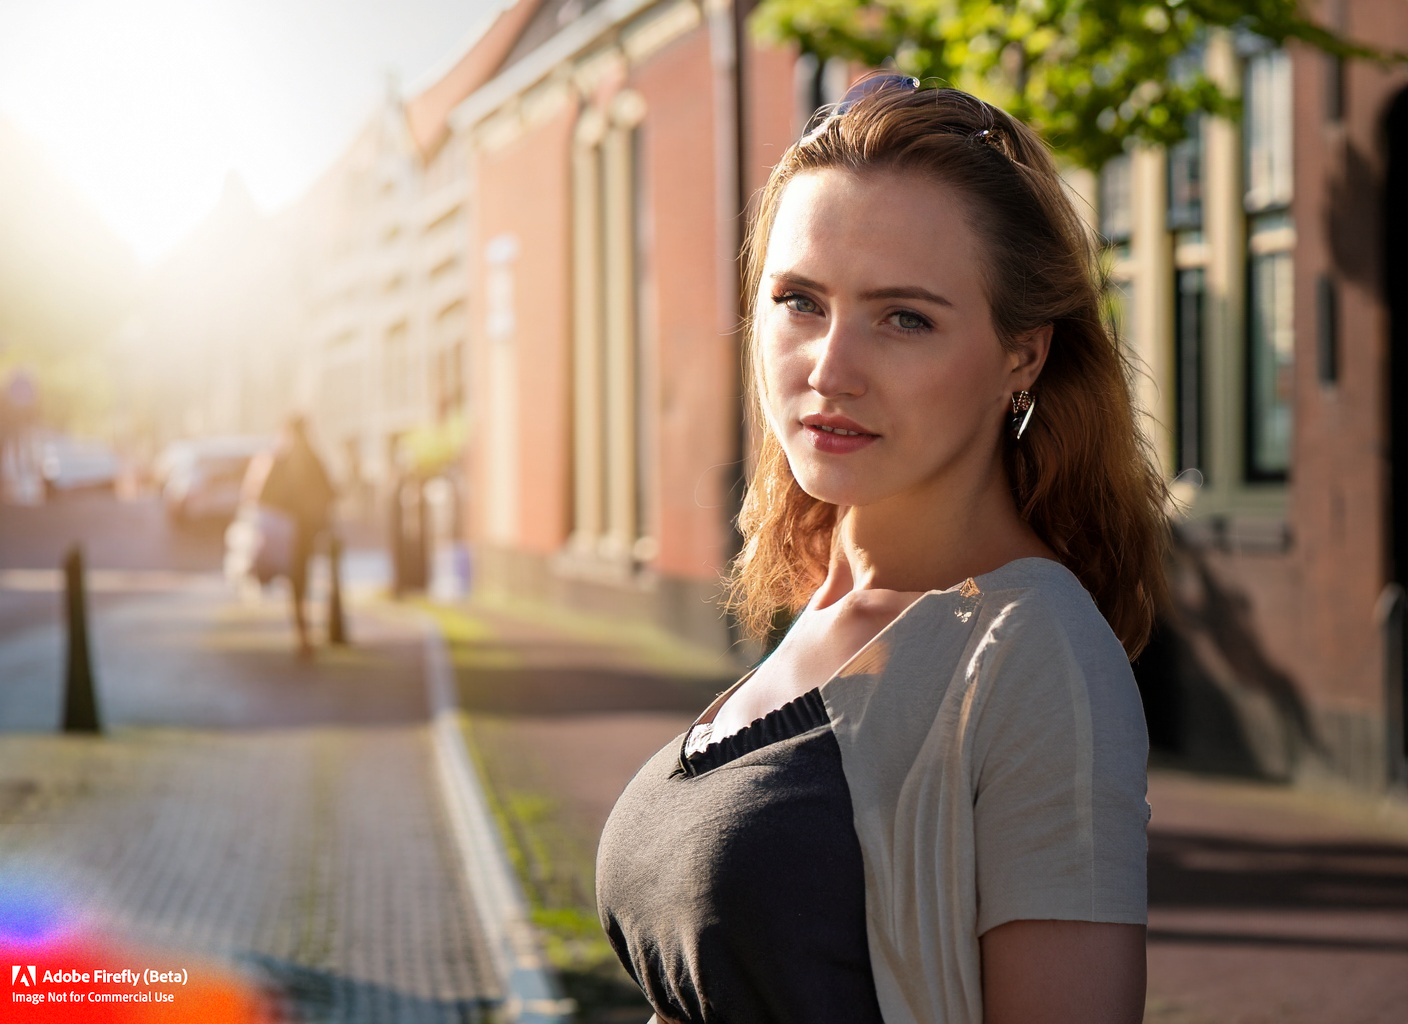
(1081,475)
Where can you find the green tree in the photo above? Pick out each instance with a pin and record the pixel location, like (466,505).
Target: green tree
(1090,75)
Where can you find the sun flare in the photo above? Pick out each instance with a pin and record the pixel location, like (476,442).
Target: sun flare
(149,105)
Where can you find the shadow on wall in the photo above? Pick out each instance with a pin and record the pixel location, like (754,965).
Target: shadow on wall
(1354,218)
(1213,698)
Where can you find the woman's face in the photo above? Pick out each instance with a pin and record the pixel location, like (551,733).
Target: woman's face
(882,374)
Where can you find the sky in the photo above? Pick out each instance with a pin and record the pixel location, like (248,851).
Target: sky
(147,105)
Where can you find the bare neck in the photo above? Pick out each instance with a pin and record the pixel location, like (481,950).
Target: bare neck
(920,544)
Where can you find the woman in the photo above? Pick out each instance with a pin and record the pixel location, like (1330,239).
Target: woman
(928,804)
(294,482)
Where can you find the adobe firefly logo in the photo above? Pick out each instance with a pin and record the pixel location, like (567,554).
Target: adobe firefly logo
(24,975)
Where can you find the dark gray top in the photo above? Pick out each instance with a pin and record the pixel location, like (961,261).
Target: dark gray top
(730,882)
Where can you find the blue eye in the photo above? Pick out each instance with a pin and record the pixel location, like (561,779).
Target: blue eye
(908,320)
(796,303)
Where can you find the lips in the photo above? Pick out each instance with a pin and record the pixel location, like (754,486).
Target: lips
(842,426)
(836,435)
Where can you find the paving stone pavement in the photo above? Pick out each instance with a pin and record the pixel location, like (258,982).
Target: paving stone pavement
(314,854)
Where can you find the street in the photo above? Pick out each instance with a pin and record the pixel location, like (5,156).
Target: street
(277,817)
(282,817)
(129,542)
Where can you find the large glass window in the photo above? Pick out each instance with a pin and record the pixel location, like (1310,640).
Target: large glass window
(1270,361)
(1267,126)
(1270,366)
(1189,302)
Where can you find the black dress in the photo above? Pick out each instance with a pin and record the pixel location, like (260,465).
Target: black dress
(730,881)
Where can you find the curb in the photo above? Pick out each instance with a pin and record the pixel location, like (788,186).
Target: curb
(532,994)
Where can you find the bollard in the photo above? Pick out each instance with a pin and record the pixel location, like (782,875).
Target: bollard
(419,539)
(80,701)
(395,544)
(337,628)
(409,552)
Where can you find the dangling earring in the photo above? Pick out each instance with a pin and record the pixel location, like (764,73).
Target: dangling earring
(1023,405)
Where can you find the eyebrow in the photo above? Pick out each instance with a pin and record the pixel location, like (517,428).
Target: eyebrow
(912,291)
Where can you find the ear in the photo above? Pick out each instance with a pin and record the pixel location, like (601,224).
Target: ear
(1028,356)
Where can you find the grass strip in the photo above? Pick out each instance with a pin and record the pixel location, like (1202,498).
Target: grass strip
(554,859)
(555,868)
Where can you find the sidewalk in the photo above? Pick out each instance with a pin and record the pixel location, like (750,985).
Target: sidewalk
(291,824)
(1268,905)
(1276,905)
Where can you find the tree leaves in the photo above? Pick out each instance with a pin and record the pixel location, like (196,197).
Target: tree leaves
(1090,75)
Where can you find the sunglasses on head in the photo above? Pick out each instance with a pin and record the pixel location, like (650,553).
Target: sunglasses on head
(883,82)
(872,84)
(867,86)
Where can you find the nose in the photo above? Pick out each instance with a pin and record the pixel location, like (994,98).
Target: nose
(838,366)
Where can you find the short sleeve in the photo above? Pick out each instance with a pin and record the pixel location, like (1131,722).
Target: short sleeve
(1059,771)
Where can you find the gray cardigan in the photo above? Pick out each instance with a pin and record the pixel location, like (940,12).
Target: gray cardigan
(994,745)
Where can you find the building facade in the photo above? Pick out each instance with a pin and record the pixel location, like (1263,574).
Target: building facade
(611,160)
(386,233)
(1255,282)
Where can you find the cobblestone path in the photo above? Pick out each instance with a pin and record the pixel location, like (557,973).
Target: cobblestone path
(314,856)
(280,817)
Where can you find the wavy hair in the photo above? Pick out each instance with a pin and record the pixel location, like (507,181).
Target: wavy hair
(1081,475)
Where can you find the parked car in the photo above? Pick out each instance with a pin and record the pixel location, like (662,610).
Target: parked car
(71,464)
(202,478)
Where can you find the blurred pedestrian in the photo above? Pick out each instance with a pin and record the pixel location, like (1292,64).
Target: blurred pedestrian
(293,481)
(927,804)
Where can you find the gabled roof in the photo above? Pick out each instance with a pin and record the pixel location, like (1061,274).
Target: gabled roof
(427,114)
(551,16)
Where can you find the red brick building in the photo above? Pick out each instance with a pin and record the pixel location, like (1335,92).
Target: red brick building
(1264,284)
(606,159)
(1265,271)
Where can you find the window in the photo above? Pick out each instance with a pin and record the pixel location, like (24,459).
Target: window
(1188,344)
(1185,181)
(1267,127)
(1270,367)
(447,383)
(397,366)
(1327,343)
(1116,207)
(1116,226)
(1183,218)
(1334,88)
(1270,361)
(611,414)
(449,380)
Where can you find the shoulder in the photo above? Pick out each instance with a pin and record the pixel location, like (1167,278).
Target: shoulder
(1042,652)
(1036,613)
(1057,737)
